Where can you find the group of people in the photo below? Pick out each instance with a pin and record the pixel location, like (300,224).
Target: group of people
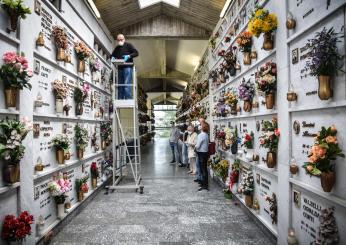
(194,151)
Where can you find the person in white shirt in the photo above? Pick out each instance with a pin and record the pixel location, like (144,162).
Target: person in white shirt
(173,141)
(202,148)
(191,142)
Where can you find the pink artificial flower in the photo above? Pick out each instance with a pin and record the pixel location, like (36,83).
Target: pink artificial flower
(277,132)
(18,66)
(30,74)
(9,57)
(261,141)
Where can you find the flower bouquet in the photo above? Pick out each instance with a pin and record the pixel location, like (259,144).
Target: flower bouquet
(62,144)
(61,42)
(221,169)
(82,187)
(234,176)
(266,82)
(13,132)
(82,139)
(17,229)
(59,189)
(212,41)
(15,75)
(230,58)
(270,140)
(83,53)
(246,92)
(248,187)
(60,89)
(80,94)
(247,142)
(95,67)
(261,21)
(244,42)
(106,134)
(94,174)
(324,60)
(321,156)
(15,9)
(231,99)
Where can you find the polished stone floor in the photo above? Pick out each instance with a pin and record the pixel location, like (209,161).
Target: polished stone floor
(170,211)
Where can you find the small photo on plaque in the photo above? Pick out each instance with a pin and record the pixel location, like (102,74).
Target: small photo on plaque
(258,179)
(295,56)
(36,192)
(36,130)
(38,7)
(296,198)
(37,67)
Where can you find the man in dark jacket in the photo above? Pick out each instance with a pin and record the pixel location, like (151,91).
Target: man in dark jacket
(127,52)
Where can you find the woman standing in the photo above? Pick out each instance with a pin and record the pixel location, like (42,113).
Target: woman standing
(191,143)
(202,153)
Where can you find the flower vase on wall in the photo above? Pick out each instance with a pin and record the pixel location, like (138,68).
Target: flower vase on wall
(61,210)
(324,87)
(11,173)
(11,94)
(249,154)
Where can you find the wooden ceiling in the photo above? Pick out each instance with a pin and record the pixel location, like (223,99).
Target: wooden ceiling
(119,14)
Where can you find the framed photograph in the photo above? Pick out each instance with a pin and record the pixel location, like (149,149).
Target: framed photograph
(295,56)
(258,179)
(37,67)
(37,7)
(36,192)
(296,198)
(36,130)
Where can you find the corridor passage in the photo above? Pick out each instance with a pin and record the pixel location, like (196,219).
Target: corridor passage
(170,211)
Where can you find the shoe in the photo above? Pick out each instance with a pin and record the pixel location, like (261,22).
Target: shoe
(173,161)
(188,165)
(196,180)
(181,165)
(203,188)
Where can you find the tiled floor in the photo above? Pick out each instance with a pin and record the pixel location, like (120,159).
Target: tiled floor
(170,211)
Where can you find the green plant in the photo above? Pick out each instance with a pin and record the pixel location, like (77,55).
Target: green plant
(61,142)
(81,136)
(80,94)
(13,132)
(106,131)
(270,137)
(15,7)
(80,182)
(248,140)
(247,183)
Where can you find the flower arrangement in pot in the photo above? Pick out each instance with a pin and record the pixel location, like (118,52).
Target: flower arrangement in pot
(95,67)
(248,143)
(244,41)
(60,89)
(106,134)
(230,138)
(230,58)
(234,175)
(82,139)
(322,156)
(248,187)
(82,187)
(94,174)
(62,144)
(246,92)
(15,75)
(17,229)
(59,189)
(60,39)
(231,99)
(212,41)
(261,21)
(80,94)
(221,169)
(266,82)
(83,53)
(324,60)
(270,140)
(15,9)
(12,133)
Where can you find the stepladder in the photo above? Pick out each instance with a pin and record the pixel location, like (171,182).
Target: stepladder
(126,139)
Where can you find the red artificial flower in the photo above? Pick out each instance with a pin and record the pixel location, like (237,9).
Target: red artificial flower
(247,137)
(227,39)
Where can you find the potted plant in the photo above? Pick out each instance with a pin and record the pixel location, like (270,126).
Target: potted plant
(246,92)
(230,58)
(82,139)
(106,134)
(60,39)
(83,53)
(244,41)
(266,82)
(15,9)
(12,133)
(60,91)
(59,189)
(322,156)
(62,144)
(95,67)
(15,75)
(80,94)
(261,21)
(247,142)
(247,187)
(17,229)
(231,100)
(82,187)
(94,174)
(270,140)
(323,60)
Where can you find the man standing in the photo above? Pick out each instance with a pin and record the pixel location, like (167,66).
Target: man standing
(173,141)
(127,52)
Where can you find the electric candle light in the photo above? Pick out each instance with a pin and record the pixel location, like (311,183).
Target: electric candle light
(291,239)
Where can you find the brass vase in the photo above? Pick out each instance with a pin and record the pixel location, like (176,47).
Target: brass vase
(291,96)
(60,156)
(60,54)
(246,58)
(294,168)
(68,58)
(270,100)
(324,87)
(79,109)
(268,42)
(40,40)
(11,97)
(11,173)
(80,153)
(59,105)
(248,200)
(81,66)
(94,183)
(290,24)
(80,196)
(103,145)
(14,20)
(67,156)
(247,105)
(271,159)
(253,55)
(327,181)
(234,110)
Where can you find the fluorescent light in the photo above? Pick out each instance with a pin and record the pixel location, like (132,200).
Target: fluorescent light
(94,8)
(147,3)
(225,7)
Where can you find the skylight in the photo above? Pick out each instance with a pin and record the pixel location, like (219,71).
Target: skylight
(147,3)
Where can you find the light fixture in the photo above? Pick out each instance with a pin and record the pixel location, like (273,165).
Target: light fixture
(225,7)
(94,9)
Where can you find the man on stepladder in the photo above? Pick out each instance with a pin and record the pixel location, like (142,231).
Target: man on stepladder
(125,51)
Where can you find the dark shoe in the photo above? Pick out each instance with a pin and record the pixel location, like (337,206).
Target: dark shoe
(196,180)
(188,165)
(203,188)
(173,161)
(181,165)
